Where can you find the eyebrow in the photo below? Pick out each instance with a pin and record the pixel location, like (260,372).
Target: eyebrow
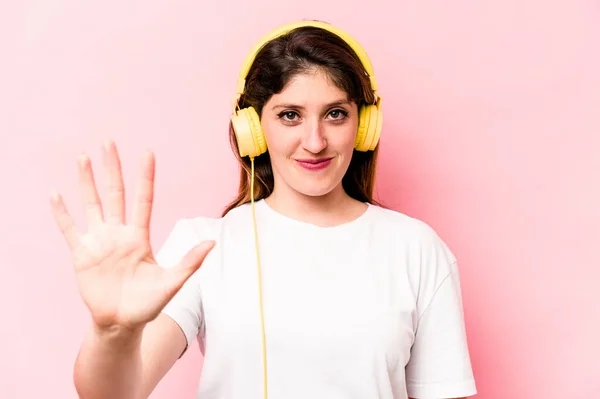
(290,105)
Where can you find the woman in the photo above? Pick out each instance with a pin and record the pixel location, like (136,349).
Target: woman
(349,300)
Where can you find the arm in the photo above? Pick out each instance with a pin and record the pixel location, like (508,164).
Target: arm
(439,365)
(132,344)
(127,364)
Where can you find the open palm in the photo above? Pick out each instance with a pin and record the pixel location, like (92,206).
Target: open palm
(117,275)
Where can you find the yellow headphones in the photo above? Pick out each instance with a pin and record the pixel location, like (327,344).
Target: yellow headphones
(252,143)
(246,122)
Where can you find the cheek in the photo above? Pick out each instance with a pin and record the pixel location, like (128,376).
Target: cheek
(344,141)
(350,131)
(270,134)
(278,142)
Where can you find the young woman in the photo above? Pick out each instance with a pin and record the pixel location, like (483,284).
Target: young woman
(305,287)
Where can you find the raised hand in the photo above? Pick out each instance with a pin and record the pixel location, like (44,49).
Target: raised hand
(115,269)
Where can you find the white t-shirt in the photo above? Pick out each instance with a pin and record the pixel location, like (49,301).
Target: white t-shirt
(369,309)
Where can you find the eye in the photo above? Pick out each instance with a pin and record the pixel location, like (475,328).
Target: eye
(287,115)
(338,114)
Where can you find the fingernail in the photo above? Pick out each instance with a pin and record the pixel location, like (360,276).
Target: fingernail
(82,159)
(54,196)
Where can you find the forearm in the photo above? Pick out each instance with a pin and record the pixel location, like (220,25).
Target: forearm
(109,365)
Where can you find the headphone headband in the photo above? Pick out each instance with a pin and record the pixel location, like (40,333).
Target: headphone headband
(283,29)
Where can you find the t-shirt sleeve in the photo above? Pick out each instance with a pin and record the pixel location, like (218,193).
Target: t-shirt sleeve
(440,365)
(185,308)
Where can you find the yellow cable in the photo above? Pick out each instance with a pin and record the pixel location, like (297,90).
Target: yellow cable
(262,320)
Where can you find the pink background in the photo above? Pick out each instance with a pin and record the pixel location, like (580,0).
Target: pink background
(491,135)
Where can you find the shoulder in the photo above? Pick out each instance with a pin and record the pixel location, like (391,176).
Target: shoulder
(188,232)
(401,224)
(211,227)
(408,231)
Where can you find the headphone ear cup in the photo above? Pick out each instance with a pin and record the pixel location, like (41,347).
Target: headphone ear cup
(374,128)
(378,126)
(248,132)
(362,128)
(369,128)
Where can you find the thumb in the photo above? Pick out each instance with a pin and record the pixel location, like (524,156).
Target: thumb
(191,262)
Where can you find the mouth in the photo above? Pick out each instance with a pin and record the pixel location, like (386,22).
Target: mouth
(314,164)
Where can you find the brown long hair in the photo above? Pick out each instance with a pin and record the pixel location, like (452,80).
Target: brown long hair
(299,51)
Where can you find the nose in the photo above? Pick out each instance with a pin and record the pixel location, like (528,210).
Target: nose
(314,139)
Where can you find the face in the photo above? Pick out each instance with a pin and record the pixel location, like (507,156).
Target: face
(310,129)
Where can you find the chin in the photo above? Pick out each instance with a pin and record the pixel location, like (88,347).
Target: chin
(315,190)
(313,184)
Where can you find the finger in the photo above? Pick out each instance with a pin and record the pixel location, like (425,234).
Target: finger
(144,195)
(115,201)
(65,222)
(89,192)
(178,275)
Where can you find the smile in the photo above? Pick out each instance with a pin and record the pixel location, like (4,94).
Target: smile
(314,164)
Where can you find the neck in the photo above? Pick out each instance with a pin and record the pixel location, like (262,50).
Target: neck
(330,209)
